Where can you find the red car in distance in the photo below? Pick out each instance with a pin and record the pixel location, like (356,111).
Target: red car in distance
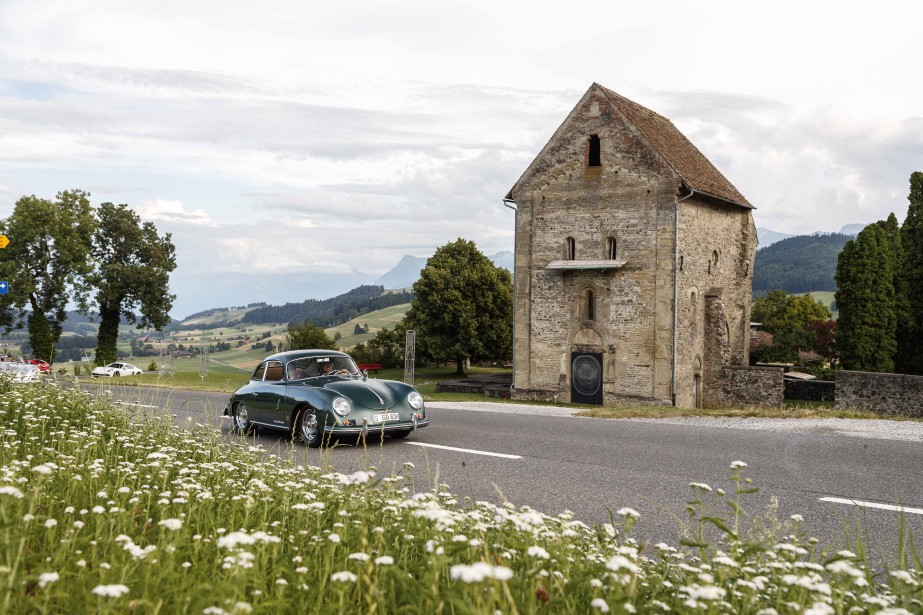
(43,366)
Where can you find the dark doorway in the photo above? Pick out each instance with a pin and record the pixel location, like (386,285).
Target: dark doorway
(586,378)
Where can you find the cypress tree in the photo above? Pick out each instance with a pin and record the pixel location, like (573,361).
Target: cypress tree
(867,323)
(909,359)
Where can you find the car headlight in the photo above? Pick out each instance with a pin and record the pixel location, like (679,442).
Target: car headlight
(415,400)
(341,406)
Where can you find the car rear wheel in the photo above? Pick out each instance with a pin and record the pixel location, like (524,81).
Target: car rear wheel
(398,435)
(117,374)
(308,429)
(241,418)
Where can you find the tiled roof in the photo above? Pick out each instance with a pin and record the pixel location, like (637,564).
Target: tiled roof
(689,163)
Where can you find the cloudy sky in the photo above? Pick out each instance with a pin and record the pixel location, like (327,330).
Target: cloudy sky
(295,149)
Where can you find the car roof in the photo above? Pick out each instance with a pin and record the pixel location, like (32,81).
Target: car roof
(285,357)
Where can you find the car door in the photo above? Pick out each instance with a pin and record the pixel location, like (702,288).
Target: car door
(267,403)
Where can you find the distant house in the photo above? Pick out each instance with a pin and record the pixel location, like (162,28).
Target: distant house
(633,262)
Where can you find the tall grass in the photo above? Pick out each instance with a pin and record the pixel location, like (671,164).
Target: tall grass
(104,513)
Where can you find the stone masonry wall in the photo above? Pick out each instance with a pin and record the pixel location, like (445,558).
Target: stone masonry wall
(888,394)
(742,386)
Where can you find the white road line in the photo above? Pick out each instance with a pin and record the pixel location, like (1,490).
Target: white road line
(128,403)
(902,509)
(465,450)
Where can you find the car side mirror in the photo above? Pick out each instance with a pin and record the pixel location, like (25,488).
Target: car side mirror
(365,375)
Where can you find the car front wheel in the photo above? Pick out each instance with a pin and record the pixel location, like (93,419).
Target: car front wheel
(241,417)
(309,429)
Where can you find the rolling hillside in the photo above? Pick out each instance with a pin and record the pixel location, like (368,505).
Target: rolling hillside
(798,264)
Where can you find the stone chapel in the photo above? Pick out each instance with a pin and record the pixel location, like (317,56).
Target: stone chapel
(633,263)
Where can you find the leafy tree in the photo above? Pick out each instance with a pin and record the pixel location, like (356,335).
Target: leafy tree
(789,318)
(463,305)
(46,264)
(308,336)
(132,272)
(909,358)
(867,323)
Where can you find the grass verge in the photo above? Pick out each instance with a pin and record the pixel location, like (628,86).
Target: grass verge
(104,513)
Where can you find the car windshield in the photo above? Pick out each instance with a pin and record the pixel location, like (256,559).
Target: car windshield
(315,367)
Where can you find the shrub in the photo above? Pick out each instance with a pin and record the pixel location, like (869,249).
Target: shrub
(152,367)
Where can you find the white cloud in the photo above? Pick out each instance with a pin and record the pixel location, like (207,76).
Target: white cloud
(334,137)
(160,210)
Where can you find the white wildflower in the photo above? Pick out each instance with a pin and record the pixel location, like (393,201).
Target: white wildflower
(536,551)
(384,560)
(47,577)
(362,557)
(600,604)
(171,524)
(629,512)
(110,591)
(343,577)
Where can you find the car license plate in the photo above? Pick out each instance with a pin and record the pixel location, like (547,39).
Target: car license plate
(381,418)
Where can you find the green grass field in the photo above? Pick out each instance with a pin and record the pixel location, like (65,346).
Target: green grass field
(378,320)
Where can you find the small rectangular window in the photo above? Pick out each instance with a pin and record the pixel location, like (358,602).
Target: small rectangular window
(570,249)
(593,160)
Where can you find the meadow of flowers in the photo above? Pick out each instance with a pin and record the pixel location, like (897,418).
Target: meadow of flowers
(101,512)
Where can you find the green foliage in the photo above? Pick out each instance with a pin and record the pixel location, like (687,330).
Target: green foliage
(789,319)
(867,323)
(387,348)
(152,366)
(798,264)
(909,358)
(46,264)
(132,274)
(463,305)
(306,336)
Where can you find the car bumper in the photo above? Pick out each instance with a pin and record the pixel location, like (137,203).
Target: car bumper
(379,428)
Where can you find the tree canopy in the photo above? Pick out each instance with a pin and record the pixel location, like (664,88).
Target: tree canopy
(792,320)
(131,275)
(46,264)
(909,357)
(306,336)
(867,323)
(463,306)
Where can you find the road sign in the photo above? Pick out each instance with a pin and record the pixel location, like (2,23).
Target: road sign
(4,288)
(4,241)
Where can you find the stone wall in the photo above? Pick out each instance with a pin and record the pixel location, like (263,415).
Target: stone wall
(889,394)
(810,390)
(742,386)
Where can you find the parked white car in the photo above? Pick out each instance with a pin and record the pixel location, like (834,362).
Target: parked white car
(116,369)
(20,372)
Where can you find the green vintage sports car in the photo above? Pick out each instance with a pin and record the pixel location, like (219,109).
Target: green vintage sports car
(316,394)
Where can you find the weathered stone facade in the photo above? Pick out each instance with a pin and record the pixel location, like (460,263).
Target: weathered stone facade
(603,270)
(890,394)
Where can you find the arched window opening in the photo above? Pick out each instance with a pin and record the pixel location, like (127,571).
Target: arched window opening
(570,249)
(590,304)
(593,158)
(611,245)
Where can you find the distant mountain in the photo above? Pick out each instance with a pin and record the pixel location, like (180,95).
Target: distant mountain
(852,229)
(767,237)
(798,264)
(407,271)
(404,274)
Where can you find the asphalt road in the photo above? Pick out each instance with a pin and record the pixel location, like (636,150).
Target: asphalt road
(555,462)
